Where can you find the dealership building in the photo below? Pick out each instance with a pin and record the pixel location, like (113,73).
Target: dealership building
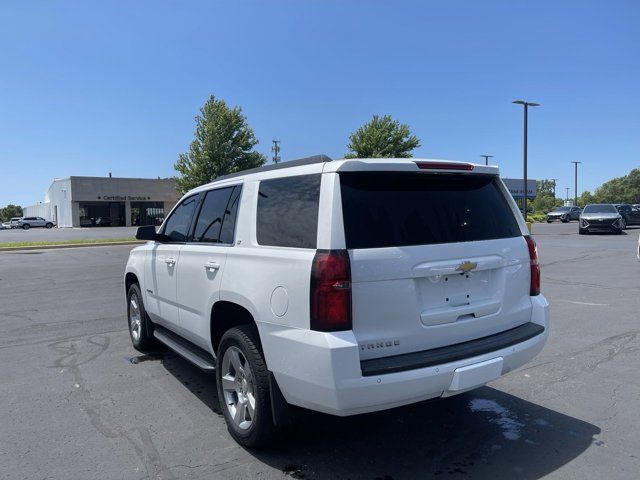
(82,201)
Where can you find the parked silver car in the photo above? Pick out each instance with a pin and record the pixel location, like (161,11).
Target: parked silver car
(28,222)
(599,217)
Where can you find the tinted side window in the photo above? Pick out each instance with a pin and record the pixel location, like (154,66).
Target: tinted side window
(216,216)
(400,209)
(229,221)
(288,211)
(177,225)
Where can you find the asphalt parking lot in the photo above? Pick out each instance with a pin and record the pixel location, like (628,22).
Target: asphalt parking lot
(60,234)
(80,403)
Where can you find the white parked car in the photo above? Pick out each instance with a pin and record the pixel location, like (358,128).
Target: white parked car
(13,223)
(30,222)
(344,286)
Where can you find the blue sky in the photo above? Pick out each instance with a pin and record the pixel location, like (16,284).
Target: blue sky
(88,88)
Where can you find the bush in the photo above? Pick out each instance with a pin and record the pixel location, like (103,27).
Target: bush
(536,217)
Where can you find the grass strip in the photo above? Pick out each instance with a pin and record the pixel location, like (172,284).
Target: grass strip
(76,241)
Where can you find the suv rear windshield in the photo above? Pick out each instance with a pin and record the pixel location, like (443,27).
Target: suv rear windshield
(383,209)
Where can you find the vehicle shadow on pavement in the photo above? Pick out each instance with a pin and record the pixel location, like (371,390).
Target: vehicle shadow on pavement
(485,433)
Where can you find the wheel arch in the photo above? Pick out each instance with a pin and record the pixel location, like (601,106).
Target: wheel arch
(129,279)
(226,314)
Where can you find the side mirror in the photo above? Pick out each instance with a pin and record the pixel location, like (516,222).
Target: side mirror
(146,233)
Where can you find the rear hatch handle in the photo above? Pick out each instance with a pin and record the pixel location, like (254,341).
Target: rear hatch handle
(458,266)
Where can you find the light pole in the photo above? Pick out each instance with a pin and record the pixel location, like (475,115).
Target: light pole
(567,189)
(526,115)
(554,188)
(575,183)
(486,158)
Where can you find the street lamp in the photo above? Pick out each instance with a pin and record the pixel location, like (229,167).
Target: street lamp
(486,158)
(526,115)
(575,183)
(567,189)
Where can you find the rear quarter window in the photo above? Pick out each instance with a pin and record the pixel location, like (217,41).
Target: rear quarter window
(288,211)
(382,209)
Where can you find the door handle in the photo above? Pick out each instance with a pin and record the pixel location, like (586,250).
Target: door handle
(211,266)
(170,261)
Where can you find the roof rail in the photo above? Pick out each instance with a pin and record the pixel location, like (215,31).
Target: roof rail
(277,166)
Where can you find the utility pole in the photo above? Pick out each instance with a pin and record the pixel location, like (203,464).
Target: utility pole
(526,106)
(276,150)
(554,188)
(575,183)
(567,189)
(486,158)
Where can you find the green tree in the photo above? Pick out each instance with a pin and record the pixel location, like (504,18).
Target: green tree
(620,190)
(544,201)
(10,211)
(586,198)
(382,137)
(223,144)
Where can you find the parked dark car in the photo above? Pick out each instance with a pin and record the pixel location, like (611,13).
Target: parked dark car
(86,222)
(600,217)
(564,214)
(103,222)
(630,214)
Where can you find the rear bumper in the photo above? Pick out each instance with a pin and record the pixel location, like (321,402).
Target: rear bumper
(323,372)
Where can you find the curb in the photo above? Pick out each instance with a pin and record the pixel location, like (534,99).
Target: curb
(69,245)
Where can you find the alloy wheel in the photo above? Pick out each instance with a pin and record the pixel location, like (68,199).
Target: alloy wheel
(238,387)
(135,319)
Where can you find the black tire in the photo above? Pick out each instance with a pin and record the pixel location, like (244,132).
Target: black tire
(26,226)
(144,340)
(49,225)
(582,232)
(262,430)
(564,220)
(549,221)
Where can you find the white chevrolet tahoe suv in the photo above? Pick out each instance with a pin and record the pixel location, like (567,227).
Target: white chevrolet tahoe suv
(344,286)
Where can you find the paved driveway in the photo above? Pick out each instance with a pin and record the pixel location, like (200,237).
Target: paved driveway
(79,403)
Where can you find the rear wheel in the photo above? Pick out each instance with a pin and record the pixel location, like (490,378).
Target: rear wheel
(243,387)
(565,219)
(140,329)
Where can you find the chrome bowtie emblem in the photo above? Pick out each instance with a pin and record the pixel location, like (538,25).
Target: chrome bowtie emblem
(466,267)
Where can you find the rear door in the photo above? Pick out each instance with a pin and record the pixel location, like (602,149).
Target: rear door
(436,259)
(163,262)
(202,262)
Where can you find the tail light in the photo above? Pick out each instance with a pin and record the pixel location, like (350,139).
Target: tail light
(331,291)
(444,166)
(535,266)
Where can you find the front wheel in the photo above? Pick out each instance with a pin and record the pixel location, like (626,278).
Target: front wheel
(26,226)
(139,325)
(623,224)
(243,387)
(49,225)
(565,219)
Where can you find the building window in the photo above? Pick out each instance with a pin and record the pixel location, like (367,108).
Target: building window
(102,214)
(147,213)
